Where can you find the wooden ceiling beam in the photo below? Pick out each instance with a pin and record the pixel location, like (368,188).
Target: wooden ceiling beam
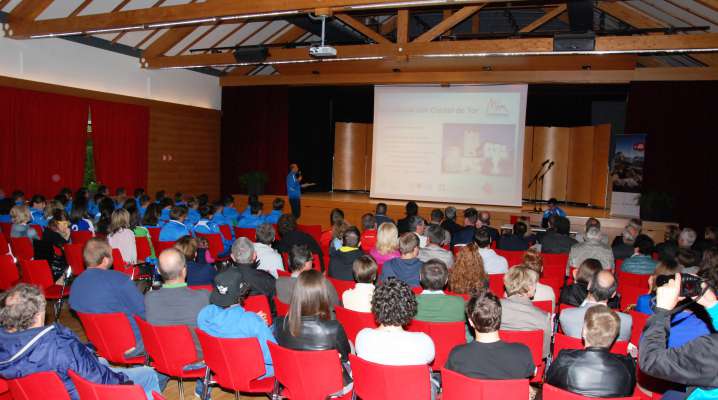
(287,36)
(630,15)
(167,41)
(21,28)
(402,26)
(361,28)
(388,26)
(448,23)
(28,10)
(548,16)
(80,8)
(452,77)
(603,43)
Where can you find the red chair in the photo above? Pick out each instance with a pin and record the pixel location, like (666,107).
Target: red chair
(446,336)
(154,233)
(618,263)
(307,375)
(377,382)
(496,284)
(259,303)
(563,342)
(554,393)
(630,294)
(22,248)
(456,386)
(162,246)
(4,245)
(317,265)
(534,341)
(282,308)
(143,248)
(201,287)
(94,391)
(237,364)
(512,257)
(457,248)
(216,247)
(80,237)
(354,321)
(563,306)
(9,275)
(6,227)
(555,283)
(73,255)
(226,231)
(171,348)
(249,233)
(555,260)
(38,273)
(40,385)
(315,231)
(283,273)
(157,396)
(639,322)
(544,305)
(341,286)
(112,336)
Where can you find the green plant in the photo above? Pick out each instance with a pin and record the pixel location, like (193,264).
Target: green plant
(253,181)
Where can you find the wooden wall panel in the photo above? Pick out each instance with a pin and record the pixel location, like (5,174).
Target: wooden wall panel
(184,152)
(369,146)
(552,143)
(529,170)
(580,164)
(599,181)
(349,167)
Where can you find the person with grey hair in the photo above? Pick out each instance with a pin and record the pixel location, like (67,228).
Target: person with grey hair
(591,221)
(435,236)
(418,226)
(449,223)
(484,224)
(624,248)
(269,259)
(592,247)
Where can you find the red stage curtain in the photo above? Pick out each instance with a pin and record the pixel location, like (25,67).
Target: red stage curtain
(120,134)
(43,141)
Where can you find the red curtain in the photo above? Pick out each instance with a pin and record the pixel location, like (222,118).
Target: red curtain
(120,134)
(43,141)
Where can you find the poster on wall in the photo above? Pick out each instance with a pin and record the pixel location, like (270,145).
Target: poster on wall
(627,174)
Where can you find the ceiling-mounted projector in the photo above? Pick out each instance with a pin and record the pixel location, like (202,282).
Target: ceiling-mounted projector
(322,51)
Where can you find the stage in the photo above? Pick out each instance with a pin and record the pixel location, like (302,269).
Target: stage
(317,206)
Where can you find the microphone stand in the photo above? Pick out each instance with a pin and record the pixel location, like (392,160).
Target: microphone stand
(533,181)
(541,179)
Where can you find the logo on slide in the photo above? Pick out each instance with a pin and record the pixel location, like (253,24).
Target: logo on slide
(495,107)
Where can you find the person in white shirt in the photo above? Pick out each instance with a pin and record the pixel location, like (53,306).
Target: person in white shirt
(394,306)
(359,298)
(268,258)
(418,226)
(493,263)
(121,237)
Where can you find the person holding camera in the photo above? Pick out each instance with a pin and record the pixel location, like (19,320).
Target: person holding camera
(693,364)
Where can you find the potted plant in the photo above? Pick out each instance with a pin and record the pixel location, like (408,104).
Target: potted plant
(656,206)
(253,182)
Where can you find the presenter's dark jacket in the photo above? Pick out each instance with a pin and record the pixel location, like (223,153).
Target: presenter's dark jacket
(341,262)
(593,372)
(297,238)
(463,236)
(556,243)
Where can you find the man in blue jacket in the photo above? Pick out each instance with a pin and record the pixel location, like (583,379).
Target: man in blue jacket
(37,210)
(255,217)
(28,346)
(175,228)
(294,189)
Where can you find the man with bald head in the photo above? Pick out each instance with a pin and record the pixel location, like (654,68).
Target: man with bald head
(601,288)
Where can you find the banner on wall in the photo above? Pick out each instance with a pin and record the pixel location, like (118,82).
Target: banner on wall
(627,174)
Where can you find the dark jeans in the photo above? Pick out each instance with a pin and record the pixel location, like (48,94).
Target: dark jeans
(296,207)
(674,395)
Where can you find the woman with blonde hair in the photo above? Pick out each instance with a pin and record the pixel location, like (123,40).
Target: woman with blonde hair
(21,217)
(468,273)
(121,237)
(387,243)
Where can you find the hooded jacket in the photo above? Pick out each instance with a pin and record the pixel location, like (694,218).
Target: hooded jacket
(341,262)
(53,348)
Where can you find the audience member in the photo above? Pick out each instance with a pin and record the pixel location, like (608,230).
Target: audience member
(387,243)
(380,214)
(100,290)
(640,262)
(557,239)
(269,259)
(518,312)
(493,263)
(368,234)
(468,274)
(449,223)
(28,346)
(516,240)
(484,224)
(121,237)
(225,316)
(51,246)
(635,226)
(623,248)
(394,306)
(199,272)
(601,288)
(417,227)
(79,218)
(688,259)
(466,234)
(332,237)
(105,208)
(406,267)
(342,259)
(575,294)
(553,210)
(277,210)
(365,274)
(253,219)
(709,239)
(532,260)
(437,216)
(193,214)
(6,205)
(591,222)
(433,249)
(594,371)
(258,282)
(668,249)
(37,210)
(488,357)
(151,218)
(175,227)
(20,216)
(291,237)
(433,304)
(309,325)
(592,247)
(207,226)
(412,210)
(300,260)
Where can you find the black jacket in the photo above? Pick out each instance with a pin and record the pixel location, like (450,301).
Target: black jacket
(513,243)
(693,364)
(341,262)
(259,281)
(556,243)
(493,233)
(593,372)
(403,225)
(464,235)
(451,226)
(297,238)
(575,293)
(622,251)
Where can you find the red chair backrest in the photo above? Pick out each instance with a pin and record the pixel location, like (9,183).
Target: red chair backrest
(325,240)
(544,305)
(216,247)
(315,231)
(259,303)
(639,322)
(554,393)
(80,237)
(36,272)
(629,279)
(630,294)
(143,248)
(375,381)
(316,264)
(282,308)
(618,262)
(532,339)
(169,347)
(555,282)
(555,260)
(341,286)
(73,255)
(563,306)
(154,232)
(111,334)
(496,284)
(157,396)
(285,260)
(354,321)
(4,245)
(445,335)
(512,257)
(162,246)
(94,391)
(22,248)
(226,231)
(249,233)
(456,386)
(234,362)
(6,227)
(40,385)
(281,272)
(457,248)
(307,375)
(9,275)
(563,342)
(201,287)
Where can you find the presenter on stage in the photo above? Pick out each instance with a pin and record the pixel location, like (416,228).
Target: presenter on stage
(294,189)
(553,209)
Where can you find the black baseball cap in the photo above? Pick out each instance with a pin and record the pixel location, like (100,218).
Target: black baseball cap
(227,288)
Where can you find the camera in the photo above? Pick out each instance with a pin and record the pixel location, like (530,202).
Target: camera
(690,284)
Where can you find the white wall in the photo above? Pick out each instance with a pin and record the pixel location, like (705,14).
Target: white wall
(66,63)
